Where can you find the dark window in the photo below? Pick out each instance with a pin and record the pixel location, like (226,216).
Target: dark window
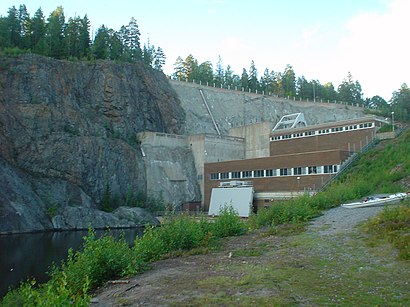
(214,176)
(269,173)
(235,175)
(297,171)
(329,169)
(259,173)
(285,172)
(312,170)
(246,174)
(224,175)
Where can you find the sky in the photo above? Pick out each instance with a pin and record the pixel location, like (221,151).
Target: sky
(322,40)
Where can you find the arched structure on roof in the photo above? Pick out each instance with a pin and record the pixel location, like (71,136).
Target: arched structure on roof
(291,121)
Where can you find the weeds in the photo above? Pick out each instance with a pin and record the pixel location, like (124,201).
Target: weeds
(393,225)
(106,258)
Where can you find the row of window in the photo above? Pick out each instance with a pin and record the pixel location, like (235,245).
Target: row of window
(261,173)
(322,131)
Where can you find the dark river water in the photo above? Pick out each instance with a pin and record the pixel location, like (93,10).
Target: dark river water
(24,256)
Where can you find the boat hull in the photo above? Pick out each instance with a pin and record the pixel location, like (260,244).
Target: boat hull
(394,198)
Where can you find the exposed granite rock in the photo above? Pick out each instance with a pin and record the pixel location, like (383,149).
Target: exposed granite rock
(69,128)
(20,208)
(135,216)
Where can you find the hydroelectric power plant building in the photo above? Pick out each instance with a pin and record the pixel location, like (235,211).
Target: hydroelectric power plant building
(289,159)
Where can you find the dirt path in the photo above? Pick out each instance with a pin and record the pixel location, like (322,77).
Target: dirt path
(326,264)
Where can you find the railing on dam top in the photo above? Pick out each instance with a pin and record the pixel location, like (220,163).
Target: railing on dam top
(262,93)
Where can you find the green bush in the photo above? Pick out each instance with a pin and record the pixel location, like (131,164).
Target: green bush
(228,223)
(100,260)
(394,225)
(297,210)
(14,52)
(53,293)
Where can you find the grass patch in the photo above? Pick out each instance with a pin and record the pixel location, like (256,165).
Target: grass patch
(107,258)
(392,225)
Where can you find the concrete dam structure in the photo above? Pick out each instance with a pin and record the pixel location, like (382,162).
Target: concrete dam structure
(221,125)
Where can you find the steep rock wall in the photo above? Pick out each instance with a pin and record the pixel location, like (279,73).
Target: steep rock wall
(235,108)
(69,128)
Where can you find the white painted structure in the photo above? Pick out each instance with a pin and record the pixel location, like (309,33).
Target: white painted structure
(240,198)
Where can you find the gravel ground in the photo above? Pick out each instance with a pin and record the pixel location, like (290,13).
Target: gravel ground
(175,281)
(341,219)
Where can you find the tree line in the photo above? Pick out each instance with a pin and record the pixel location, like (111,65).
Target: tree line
(287,84)
(57,38)
(70,39)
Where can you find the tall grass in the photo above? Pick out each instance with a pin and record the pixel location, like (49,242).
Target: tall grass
(393,224)
(106,258)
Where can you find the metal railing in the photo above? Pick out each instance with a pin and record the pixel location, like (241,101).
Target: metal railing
(263,93)
(348,162)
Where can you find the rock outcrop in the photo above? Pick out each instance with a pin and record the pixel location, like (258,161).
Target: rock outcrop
(67,129)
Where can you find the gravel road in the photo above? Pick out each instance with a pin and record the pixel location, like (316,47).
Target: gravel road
(341,219)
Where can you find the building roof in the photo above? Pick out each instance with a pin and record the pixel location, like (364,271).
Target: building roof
(327,125)
(290,121)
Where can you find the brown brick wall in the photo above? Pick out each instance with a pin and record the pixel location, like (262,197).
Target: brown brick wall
(275,184)
(347,140)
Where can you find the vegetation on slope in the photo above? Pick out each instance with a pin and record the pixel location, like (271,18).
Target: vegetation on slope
(378,171)
(384,169)
(105,258)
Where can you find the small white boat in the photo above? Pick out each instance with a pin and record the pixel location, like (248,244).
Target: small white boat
(377,200)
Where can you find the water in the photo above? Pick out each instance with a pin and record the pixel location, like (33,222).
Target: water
(24,256)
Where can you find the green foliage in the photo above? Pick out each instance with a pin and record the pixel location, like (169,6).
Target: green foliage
(393,224)
(386,128)
(228,223)
(55,37)
(107,199)
(295,211)
(13,52)
(55,293)
(106,258)
(377,171)
(110,201)
(100,260)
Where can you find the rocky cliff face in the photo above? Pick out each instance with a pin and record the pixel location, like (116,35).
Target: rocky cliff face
(69,128)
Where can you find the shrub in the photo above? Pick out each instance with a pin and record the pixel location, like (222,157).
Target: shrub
(297,210)
(394,225)
(53,293)
(100,260)
(228,223)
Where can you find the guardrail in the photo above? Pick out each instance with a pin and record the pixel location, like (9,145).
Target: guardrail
(262,93)
(347,163)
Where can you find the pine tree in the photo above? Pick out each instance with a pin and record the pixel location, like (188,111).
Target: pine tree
(130,37)
(253,77)
(289,82)
(350,91)
(13,28)
(84,40)
(228,77)
(159,59)
(101,43)
(38,30)
(190,67)
(219,72)
(24,26)
(114,45)
(179,69)
(55,33)
(244,79)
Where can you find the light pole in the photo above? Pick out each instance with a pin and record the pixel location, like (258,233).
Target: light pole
(392,120)
(314,92)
